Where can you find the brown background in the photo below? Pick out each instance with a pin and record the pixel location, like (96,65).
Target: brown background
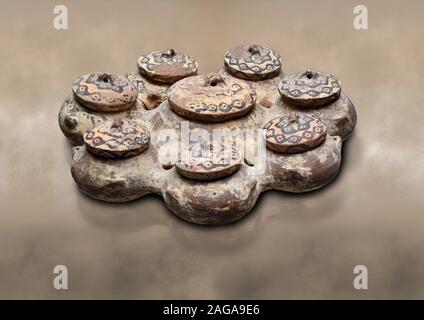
(290,246)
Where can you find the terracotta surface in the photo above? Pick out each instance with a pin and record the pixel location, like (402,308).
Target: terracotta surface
(209,101)
(291,246)
(167,66)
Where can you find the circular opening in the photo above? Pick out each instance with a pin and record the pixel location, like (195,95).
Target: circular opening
(214,82)
(309,76)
